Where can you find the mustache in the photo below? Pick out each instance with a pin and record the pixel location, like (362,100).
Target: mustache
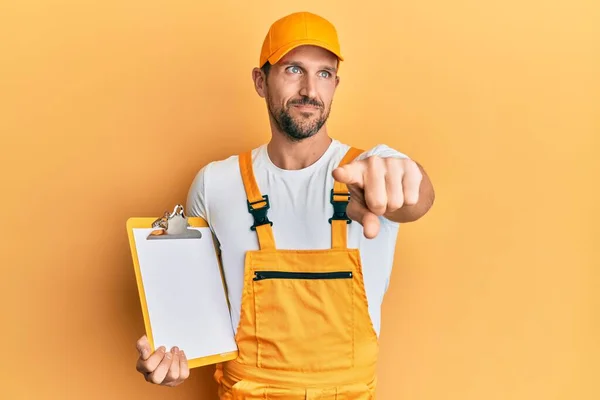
(305,101)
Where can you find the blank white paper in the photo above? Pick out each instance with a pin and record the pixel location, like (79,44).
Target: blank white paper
(184,292)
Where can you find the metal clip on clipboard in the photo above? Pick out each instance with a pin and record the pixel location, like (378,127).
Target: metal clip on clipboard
(173,226)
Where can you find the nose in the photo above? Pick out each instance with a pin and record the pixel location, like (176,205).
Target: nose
(308,88)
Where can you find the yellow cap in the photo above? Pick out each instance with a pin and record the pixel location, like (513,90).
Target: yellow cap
(297,29)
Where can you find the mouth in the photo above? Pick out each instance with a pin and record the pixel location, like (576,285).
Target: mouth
(305,107)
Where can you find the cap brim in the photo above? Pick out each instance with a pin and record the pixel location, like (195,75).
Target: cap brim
(278,55)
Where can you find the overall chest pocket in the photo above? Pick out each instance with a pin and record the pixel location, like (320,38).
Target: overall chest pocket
(304,320)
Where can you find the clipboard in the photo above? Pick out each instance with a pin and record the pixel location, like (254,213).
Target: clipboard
(182,290)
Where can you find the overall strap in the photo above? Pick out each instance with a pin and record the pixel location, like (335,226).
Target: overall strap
(340,196)
(257,203)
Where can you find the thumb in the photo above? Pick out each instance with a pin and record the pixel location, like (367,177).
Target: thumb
(369,221)
(143,347)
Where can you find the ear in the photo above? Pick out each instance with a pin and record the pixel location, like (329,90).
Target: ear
(260,81)
(337,69)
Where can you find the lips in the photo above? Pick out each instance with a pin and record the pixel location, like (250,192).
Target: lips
(306,107)
(305,103)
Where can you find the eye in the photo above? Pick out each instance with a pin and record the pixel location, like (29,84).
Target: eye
(325,74)
(294,69)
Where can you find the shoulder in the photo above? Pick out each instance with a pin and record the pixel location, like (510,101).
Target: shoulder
(339,150)
(379,150)
(210,178)
(382,150)
(222,168)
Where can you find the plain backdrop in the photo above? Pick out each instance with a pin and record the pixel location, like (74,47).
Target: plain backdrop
(109,108)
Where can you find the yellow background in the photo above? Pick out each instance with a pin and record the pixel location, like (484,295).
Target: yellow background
(109,108)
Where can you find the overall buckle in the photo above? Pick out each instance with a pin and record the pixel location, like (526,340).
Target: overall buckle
(259,214)
(339,207)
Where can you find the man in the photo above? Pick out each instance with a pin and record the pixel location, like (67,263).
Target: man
(307,228)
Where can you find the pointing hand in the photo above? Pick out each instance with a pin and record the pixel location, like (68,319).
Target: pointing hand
(379,186)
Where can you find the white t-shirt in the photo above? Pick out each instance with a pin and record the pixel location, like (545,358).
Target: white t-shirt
(300,209)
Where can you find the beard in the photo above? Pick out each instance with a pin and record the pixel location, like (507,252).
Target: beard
(303,126)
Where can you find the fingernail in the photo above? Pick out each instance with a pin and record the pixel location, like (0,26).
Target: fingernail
(175,350)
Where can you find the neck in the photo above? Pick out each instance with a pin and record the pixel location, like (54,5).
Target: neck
(292,155)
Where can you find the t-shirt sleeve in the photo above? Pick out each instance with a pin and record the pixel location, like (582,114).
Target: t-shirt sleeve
(196,199)
(382,150)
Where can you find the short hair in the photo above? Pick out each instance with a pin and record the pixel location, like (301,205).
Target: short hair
(266,68)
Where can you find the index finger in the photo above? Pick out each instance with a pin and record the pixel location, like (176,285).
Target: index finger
(351,173)
(149,365)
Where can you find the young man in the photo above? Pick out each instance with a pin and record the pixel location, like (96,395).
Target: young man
(307,228)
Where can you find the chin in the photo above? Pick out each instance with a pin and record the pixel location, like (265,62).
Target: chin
(300,137)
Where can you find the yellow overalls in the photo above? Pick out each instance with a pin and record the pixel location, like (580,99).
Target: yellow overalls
(305,330)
